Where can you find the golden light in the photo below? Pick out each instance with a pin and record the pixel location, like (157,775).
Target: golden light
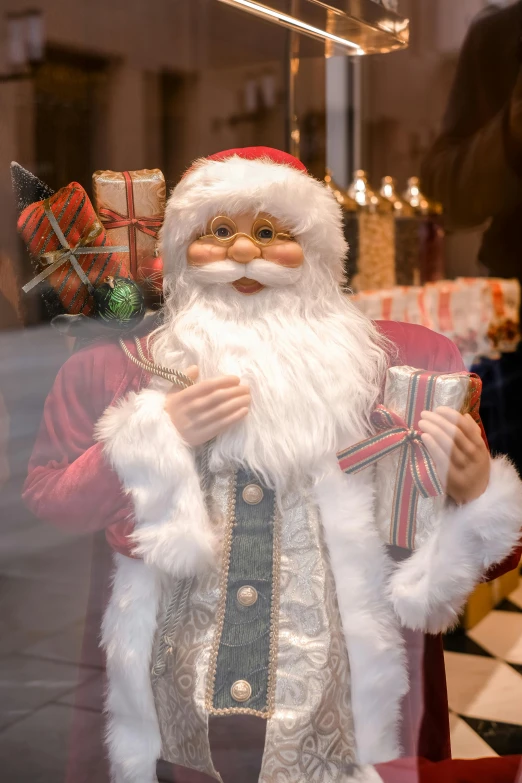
(352,27)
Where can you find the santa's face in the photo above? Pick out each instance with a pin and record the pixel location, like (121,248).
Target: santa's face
(252,301)
(246,251)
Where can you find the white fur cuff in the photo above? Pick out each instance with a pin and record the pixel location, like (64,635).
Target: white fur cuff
(158,470)
(429,589)
(133,735)
(373,640)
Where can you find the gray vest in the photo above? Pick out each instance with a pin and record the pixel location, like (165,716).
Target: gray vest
(259,635)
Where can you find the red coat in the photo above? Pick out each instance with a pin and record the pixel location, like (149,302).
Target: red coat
(70,485)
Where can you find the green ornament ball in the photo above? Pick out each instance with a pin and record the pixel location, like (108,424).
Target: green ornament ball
(119,303)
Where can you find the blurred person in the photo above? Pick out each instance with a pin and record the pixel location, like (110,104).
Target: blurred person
(474,168)
(258,626)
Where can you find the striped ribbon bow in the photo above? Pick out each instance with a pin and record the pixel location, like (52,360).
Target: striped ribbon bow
(148,225)
(416,474)
(56,258)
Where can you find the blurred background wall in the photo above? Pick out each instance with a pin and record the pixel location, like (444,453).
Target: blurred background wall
(131,84)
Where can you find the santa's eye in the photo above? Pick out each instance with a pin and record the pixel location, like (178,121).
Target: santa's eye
(222,232)
(265,234)
(223,228)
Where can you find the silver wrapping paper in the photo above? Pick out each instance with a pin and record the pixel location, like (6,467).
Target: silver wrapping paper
(451,390)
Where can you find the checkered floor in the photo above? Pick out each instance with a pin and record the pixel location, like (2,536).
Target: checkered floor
(484,672)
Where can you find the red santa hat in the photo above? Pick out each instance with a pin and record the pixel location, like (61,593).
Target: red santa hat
(266,154)
(254,179)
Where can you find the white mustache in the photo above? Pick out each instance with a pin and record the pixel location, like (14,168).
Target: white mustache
(261,270)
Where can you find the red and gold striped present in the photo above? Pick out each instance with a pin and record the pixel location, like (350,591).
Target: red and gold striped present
(64,234)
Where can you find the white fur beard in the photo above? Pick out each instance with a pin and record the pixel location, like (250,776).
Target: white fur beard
(314,367)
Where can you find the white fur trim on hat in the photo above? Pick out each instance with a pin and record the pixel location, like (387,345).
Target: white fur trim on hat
(237,185)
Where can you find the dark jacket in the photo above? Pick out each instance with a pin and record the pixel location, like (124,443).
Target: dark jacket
(474,167)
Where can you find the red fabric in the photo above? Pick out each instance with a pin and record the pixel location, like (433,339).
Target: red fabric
(490,770)
(257,153)
(77,219)
(150,274)
(70,484)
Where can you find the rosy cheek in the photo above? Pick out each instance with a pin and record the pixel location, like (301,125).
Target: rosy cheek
(289,254)
(199,254)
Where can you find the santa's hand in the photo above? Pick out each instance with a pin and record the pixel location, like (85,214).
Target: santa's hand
(206,409)
(460,455)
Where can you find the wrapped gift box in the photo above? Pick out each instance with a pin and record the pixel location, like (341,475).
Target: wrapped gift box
(454,390)
(498,313)
(131,205)
(401,303)
(386,305)
(72,279)
(504,326)
(416,308)
(409,497)
(457,312)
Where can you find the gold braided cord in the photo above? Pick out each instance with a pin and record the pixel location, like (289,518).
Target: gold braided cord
(177,373)
(174,376)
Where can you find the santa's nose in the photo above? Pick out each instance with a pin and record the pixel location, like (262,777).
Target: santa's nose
(243,250)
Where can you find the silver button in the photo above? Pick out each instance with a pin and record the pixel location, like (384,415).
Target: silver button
(252,494)
(241,690)
(247,595)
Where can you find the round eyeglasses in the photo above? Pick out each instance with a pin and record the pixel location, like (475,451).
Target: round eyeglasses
(224,230)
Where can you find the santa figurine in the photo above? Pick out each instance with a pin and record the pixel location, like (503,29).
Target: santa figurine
(259,629)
